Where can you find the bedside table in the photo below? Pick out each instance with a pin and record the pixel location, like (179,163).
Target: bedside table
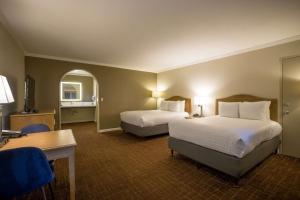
(197,116)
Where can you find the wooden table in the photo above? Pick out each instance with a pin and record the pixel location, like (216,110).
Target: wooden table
(55,144)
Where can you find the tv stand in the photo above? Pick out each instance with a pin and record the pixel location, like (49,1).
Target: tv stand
(20,120)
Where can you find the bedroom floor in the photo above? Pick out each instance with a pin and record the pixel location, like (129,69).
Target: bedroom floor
(121,166)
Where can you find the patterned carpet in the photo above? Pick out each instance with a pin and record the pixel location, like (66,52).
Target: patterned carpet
(121,166)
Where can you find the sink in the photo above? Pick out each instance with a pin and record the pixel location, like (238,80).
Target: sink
(72,104)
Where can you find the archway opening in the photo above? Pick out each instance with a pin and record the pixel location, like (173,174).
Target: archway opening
(79,98)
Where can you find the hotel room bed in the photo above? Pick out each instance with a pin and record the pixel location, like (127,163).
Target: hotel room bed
(231,145)
(152,122)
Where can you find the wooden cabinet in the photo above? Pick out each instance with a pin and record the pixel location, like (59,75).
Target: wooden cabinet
(20,120)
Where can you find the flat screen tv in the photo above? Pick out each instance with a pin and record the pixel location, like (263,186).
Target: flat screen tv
(29,94)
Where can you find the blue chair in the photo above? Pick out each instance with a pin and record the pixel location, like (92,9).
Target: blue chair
(23,170)
(35,128)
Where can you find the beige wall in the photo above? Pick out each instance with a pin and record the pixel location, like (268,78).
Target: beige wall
(257,73)
(86,84)
(12,66)
(121,89)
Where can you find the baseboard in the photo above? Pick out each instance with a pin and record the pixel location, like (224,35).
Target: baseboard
(110,129)
(79,121)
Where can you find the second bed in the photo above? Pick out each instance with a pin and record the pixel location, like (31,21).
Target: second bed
(231,145)
(145,123)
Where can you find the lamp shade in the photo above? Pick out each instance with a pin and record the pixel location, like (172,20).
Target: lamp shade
(201,100)
(155,94)
(5,92)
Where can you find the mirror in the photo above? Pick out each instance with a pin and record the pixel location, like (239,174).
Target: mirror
(71,91)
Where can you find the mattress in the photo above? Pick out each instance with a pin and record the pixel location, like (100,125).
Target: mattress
(145,118)
(232,136)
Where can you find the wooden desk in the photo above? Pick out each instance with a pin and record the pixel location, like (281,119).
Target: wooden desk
(55,144)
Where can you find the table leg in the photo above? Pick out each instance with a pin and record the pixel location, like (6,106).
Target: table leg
(72,174)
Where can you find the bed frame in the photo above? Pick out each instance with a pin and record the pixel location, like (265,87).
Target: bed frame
(225,163)
(158,129)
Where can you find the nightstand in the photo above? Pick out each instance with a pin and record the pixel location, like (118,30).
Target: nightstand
(197,116)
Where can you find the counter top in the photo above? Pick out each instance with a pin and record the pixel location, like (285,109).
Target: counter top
(77,104)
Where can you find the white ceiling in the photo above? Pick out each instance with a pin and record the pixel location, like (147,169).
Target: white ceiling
(148,35)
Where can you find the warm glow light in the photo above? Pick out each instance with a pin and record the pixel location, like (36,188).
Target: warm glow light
(203,90)
(70,83)
(161,87)
(201,100)
(155,94)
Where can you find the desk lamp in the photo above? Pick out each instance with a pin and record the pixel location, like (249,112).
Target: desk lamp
(5,98)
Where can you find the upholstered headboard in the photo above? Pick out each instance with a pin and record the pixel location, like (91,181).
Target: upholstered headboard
(188,102)
(245,97)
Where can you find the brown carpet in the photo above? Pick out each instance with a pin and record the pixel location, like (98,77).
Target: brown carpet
(120,166)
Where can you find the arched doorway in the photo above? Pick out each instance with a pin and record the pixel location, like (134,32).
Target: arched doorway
(78,98)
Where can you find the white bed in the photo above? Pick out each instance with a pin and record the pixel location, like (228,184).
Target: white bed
(242,135)
(154,122)
(144,118)
(233,136)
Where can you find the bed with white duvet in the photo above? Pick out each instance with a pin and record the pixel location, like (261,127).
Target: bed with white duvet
(243,133)
(233,136)
(154,122)
(144,118)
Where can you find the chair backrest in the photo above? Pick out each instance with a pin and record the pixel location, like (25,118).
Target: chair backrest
(35,128)
(23,170)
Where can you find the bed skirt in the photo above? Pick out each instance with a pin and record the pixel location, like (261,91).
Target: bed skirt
(145,131)
(225,163)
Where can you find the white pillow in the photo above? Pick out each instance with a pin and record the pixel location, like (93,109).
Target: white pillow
(229,109)
(164,105)
(181,106)
(268,104)
(174,106)
(259,110)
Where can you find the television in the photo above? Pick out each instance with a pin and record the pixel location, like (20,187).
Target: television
(29,94)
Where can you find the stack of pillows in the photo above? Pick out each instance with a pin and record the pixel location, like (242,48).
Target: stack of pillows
(173,106)
(259,110)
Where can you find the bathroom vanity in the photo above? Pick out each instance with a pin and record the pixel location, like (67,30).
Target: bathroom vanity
(74,112)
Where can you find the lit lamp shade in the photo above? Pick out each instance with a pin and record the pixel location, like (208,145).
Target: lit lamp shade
(201,100)
(155,94)
(5,92)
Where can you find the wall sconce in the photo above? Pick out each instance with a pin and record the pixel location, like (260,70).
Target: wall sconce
(200,101)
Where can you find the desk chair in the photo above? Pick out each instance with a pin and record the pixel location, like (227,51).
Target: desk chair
(23,170)
(36,128)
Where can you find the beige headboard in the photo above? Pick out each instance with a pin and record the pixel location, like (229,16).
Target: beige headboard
(188,102)
(245,97)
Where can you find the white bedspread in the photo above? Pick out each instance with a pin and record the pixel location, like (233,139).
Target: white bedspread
(144,118)
(232,136)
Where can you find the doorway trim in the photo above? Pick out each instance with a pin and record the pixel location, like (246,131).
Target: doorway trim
(281,97)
